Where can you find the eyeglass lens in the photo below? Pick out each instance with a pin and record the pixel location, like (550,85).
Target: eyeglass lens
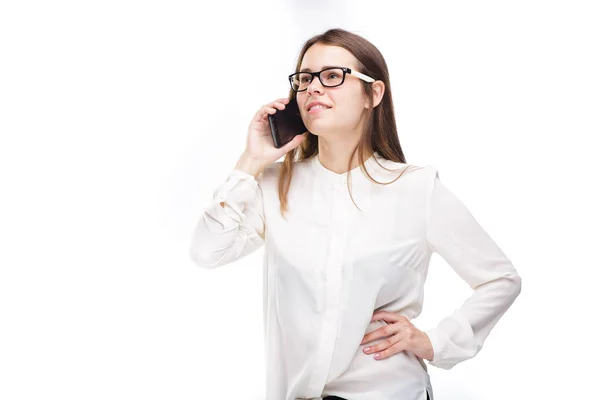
(329,77)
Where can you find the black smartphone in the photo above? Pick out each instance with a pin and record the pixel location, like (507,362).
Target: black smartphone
(286,124)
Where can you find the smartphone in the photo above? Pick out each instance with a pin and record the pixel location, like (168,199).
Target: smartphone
(286,124)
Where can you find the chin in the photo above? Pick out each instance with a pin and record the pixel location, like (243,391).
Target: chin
(318,129)
(326,131)
(315,131)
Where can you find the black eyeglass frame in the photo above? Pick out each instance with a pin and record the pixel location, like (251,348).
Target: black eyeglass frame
(345,70)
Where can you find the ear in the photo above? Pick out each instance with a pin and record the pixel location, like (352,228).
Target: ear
(378,88)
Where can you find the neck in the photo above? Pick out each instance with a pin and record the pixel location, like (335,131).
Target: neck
(335,156)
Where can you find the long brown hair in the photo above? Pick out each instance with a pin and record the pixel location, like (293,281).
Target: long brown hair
(380,134)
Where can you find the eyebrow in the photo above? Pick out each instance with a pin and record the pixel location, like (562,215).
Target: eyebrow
(322,68)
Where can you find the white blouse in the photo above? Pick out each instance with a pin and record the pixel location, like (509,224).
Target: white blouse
(330,266)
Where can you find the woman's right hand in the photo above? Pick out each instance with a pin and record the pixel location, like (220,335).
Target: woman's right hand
(259,143)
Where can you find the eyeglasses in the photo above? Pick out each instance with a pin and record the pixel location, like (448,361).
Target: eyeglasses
(329,77)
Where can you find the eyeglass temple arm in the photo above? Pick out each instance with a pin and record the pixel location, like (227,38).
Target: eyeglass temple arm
(362,76)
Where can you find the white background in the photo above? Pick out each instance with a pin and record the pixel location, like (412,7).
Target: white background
(119,119)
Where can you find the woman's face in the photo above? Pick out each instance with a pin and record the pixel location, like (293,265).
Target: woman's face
(345,104)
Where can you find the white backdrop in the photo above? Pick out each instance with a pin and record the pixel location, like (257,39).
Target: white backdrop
(118,120)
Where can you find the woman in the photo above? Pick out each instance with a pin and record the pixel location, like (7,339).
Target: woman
(349,228)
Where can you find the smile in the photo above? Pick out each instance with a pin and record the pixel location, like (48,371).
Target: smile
(317,108)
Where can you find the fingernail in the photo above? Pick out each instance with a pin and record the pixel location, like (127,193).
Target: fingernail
(377,355)
(367,349)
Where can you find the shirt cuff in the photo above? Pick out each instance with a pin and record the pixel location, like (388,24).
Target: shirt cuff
(437,343)
(236,193)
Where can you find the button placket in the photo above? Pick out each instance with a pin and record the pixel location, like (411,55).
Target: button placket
(332,288)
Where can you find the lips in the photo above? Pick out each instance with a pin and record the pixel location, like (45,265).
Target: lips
(317,105)
(317,109)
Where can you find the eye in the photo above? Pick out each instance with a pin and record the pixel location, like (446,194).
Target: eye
(304,78)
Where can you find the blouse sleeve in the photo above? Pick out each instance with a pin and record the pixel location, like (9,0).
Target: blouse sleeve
(225,233)
(457,237)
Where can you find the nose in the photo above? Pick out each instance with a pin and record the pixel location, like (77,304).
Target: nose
(315,86)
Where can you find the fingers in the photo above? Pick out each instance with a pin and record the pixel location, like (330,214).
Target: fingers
(387,316)
(295,142)
(387,348)
(378,333)
(390,341)
(401,335)
(397,323)
(392,345)
(270,108)
(276,104)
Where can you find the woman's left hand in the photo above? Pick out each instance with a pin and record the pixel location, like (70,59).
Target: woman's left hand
(403,336)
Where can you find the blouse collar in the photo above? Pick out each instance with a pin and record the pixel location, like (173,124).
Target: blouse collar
(341,179)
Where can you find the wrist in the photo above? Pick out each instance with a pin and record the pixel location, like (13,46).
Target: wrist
(250,165)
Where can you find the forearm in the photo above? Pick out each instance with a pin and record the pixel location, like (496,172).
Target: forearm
(250,165)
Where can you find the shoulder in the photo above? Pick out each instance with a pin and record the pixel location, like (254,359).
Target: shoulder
(421,174)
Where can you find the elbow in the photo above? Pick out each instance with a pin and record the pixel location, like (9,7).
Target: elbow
(204,248)
(200,257)
(509,284)
(518,284)
(515,284)
(197,258)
